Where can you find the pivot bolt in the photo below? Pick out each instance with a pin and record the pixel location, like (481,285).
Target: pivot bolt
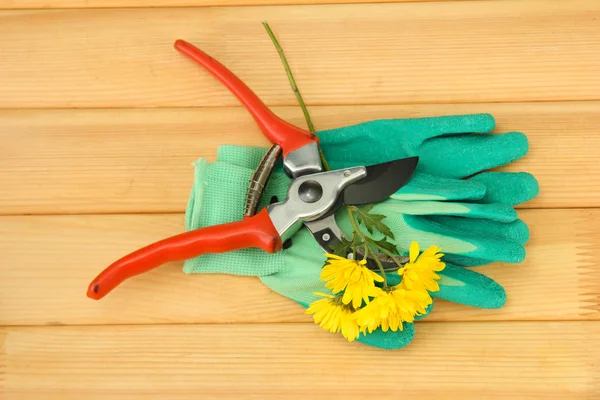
(310,191)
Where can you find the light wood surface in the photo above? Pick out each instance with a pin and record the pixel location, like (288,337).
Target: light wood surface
(140,160)
(28,4)
(100,120)
(345,54)
(473,360)
(71,250)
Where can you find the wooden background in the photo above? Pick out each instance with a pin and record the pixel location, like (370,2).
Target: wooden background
(100,120)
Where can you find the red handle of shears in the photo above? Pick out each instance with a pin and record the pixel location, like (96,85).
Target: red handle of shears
(278,131)
(256,231)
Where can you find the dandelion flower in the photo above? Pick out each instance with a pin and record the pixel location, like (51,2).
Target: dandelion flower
(420,271)
(351,276)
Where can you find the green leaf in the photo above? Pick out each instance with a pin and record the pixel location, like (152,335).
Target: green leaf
(383,243)
(365,209)
(373,221)
(342,249)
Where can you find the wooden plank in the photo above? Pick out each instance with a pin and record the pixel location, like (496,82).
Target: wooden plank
(344,54)
(541,360)
(139,160)
(61,4)
(48,262)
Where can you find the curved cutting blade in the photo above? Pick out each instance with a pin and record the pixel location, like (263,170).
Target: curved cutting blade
(382,180)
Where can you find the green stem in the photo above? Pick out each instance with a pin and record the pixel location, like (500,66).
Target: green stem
(295,89)
(378,262)
(357,231)
(365,241)
(389,253)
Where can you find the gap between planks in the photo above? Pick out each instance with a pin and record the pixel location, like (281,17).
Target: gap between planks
(56,257)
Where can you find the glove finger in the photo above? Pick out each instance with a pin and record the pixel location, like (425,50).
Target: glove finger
(429,187)
(488,187)
(466,261)
(384,140)
(493,212)
(465,155)
(458,242)
(512,188)
(488,247)
(408,228)
(462,286)
(517,230)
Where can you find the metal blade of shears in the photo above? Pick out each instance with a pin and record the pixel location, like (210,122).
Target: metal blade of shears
(382,180)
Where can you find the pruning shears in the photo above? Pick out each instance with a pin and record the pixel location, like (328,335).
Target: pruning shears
(313,196)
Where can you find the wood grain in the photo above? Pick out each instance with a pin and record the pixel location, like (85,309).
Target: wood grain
(140,160)
(100,115)
(59,4)
(542,360)
(48,262)
(431,52)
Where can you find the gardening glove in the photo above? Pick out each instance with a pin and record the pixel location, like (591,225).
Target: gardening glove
(451,146)
(464,286)
(448,147)
(482,233)
(480,214)
(218,197)
(294,272)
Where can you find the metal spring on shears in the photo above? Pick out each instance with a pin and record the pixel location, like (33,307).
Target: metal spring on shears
(259,180)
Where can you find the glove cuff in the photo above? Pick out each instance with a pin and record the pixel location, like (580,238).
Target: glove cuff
(217,197)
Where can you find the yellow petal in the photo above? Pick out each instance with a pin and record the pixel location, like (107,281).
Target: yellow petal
(439,266)
(413,251)
(347,297)
(376,277)
(430,252)
(334,256)
(324,294)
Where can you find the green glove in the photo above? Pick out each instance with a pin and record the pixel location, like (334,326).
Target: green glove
(295,272)
(456,147)
(450,146)
(457,284)
(483,233)
(486,230)
(218,197)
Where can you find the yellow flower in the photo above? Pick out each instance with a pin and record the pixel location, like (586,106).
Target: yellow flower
(391,308)
(332,315)
(351,276)
(420,271)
